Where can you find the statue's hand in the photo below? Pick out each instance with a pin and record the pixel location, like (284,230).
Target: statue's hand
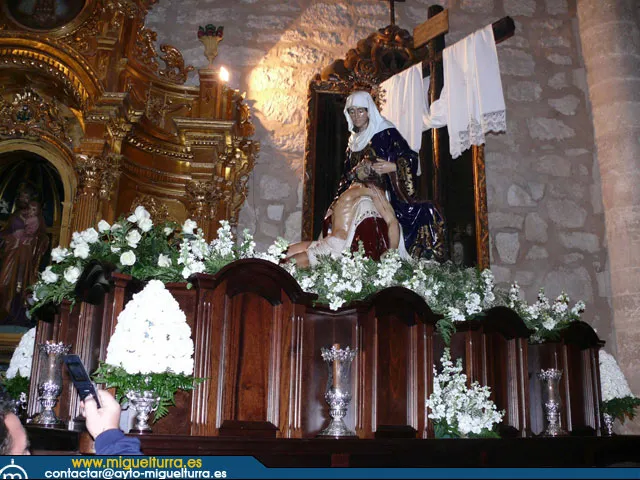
(382,166)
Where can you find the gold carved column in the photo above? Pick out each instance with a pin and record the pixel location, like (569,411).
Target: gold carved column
(203,203)
(232,173)
(91,190)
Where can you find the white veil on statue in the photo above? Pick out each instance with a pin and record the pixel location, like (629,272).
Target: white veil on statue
(377,123)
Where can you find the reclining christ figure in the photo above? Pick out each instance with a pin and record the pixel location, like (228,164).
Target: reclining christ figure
(360,201)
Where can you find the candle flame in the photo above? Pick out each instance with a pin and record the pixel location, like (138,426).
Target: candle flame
(224,74)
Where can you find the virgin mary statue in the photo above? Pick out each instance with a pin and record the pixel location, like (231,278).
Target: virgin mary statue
(376,147)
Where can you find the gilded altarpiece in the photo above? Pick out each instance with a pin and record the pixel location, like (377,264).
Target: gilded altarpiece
(91,93)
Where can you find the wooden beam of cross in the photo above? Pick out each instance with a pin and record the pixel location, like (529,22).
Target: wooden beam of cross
(392,9)
(439,25)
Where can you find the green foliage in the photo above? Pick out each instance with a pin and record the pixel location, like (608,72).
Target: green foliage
(16,385)
(446,328)
(621,407)
(442,429)
(165,385)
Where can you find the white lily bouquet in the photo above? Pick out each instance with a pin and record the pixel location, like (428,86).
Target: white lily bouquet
(16,379)
(617,398)
(458,411)
(151,348)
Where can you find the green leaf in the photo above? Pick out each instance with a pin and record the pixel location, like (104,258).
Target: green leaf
(16,385)
(621,407)
(165,385)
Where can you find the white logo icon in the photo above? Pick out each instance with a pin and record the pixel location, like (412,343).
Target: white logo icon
(13,471)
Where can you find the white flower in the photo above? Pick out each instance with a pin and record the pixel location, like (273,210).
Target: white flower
(115,249)
(103,226)
(189,226)
(72,274)
(168,231)
(115,227)
(138,215)
(48,276)
(455,314)
(22,356)
(472,303)
(612,380)
(81,250)
(133,238)
(58,254)
(462,410)
(549,323)
(128,258)
(164,260)
(90,235)
(145,224)
(152,334)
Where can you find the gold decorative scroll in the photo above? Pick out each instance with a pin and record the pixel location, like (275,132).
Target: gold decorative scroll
(28,115)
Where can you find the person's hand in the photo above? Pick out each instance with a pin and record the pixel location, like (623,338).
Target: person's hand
(382,166)
(100,420)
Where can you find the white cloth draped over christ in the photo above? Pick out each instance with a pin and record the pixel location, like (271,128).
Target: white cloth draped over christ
(471,102)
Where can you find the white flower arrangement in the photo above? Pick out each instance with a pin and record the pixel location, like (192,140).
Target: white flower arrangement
(151,348)
(22,357)
(15,380)
(546,318)
(617,398)
(152,334)
(173,253)
(458,294)
(458,411)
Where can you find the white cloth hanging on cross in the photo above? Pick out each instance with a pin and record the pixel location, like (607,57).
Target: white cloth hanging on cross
(472,90)
(472,72)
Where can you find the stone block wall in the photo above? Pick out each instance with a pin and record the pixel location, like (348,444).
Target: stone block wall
(545,204)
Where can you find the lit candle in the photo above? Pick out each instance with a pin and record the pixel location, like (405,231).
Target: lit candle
(224,74)
(336,368)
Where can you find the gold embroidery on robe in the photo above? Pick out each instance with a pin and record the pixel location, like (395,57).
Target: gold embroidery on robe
(430,245)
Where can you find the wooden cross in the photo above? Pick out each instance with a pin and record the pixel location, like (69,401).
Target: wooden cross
(439,25)
(392,9)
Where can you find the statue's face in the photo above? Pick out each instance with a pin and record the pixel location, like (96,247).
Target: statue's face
(359,117)
(23,200)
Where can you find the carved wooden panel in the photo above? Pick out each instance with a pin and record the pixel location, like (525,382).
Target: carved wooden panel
(581,351)
(504,368)
(542,357)
(396,357)
(324,328)
(247,336)
(577,355)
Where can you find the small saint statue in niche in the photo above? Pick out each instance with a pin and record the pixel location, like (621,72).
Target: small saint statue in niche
(23,242)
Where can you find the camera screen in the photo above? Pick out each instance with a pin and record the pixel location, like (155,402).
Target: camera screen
(77,372)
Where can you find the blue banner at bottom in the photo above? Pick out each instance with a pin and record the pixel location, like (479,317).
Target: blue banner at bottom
(248,467)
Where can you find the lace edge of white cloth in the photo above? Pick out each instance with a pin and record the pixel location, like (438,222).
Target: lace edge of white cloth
(474,135)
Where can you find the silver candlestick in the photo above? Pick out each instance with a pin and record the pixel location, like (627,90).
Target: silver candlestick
(50,381)
(551,401)
(338,394)
(607,421)
(143,403)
